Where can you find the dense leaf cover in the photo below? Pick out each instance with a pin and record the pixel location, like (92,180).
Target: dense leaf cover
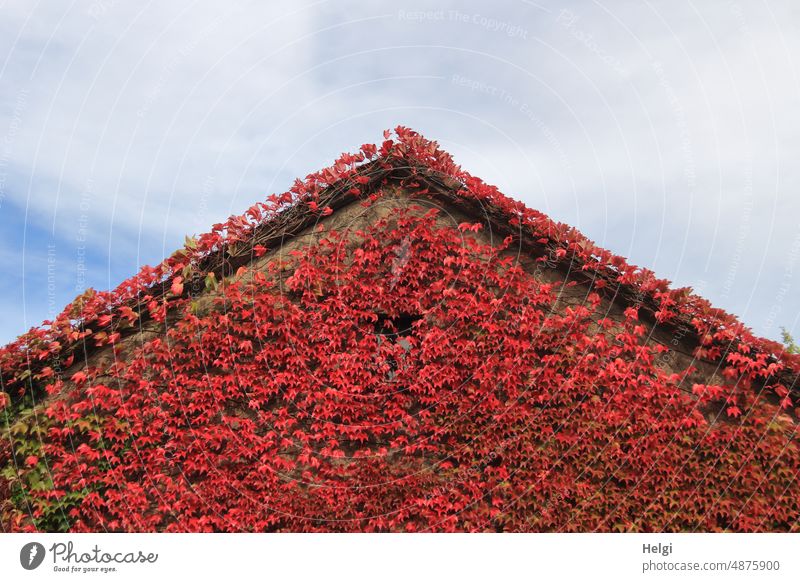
(406,377)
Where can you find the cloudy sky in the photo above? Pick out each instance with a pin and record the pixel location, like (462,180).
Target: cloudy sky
(668,132)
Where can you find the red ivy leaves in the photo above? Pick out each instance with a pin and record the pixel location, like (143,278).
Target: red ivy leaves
(301,409)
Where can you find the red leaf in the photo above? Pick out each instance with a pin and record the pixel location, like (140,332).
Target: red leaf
(632,313)
(177,286)
(733,411)
(369,149)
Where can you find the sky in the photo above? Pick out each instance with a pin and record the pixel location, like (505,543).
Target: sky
(667,132)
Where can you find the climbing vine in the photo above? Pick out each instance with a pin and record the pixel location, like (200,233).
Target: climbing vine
(410,376)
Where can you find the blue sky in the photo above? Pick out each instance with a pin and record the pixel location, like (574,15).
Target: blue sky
(667,132)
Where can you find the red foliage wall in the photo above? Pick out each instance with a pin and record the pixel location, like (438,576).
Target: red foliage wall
(301,408)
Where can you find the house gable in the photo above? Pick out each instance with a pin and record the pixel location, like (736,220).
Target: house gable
(537,395)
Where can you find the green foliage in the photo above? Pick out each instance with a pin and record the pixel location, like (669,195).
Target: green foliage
(49,512)
(791,346)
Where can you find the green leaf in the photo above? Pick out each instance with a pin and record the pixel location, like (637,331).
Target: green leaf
(791,346)
(211,281)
